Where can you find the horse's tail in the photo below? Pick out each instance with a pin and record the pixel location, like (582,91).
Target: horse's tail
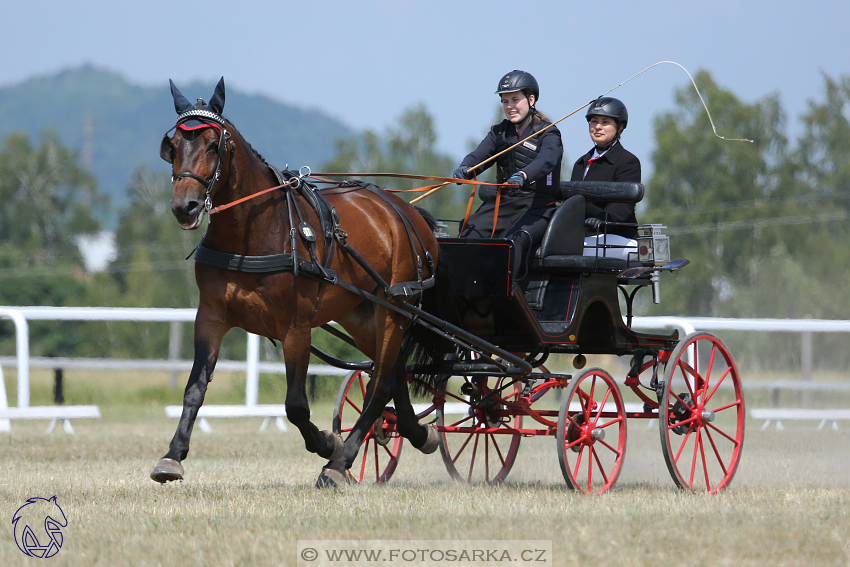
(422,347)
(429,218)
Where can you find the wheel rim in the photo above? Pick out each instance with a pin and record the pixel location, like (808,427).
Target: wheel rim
(375,461)
(477,455)
(701,415)
(591,432)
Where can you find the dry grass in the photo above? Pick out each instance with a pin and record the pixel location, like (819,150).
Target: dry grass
(248,498)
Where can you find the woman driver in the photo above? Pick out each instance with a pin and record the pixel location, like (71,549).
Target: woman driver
(608,160)
(534,166)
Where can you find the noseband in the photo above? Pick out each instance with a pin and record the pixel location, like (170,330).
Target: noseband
(211,120)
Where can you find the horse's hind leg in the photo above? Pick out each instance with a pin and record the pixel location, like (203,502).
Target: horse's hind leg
(423,437)
(377,395)
(208,337)
(389,381)
(296,348)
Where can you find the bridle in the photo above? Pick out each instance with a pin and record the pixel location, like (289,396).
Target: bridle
(210,120)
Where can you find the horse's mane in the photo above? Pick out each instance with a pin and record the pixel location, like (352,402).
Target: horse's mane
(247,143)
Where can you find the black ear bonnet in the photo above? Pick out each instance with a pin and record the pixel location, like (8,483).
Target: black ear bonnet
(195,117)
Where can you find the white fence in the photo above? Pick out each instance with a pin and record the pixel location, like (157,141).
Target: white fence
(21,315)
(253,366)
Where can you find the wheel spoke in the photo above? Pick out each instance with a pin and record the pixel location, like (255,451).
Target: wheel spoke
(612,449)
(472,460)
(496,446)
(720,381)
(676,424)
(704,465)
(614,421)
(694,460)
(352,404)
(723,433)
(708,371)
(685,367)
(684,442)
(590,400)
(486,458)
(461,421)
(386,449)
(578,461)
(462,447)
(601,468)
(727,406)
(602,405)
(716,452)
(364,459)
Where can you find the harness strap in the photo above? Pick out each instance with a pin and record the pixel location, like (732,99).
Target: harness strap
(408,225)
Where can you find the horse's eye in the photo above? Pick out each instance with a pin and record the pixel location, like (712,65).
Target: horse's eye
(213,147)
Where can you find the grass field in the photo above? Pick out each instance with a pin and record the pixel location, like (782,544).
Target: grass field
(249,497)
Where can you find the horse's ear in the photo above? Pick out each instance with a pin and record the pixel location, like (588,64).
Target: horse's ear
(181,103)
(217,100)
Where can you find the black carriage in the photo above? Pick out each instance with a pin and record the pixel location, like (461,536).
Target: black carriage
(505,325)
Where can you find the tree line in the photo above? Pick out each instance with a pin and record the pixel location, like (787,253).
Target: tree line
(764,224)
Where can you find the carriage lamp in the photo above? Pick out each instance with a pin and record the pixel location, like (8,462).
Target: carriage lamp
(653,250)
(653,247)
(439,232)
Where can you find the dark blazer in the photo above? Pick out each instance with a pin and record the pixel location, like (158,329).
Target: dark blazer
(618,164)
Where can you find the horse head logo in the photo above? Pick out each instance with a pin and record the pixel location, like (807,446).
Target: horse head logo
(38,527)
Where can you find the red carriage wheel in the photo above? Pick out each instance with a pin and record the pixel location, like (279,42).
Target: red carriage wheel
(478,450)
(591,433)
(380,450)
(701,414)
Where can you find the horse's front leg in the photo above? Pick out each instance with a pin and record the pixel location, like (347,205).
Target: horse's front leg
(296,349)
(207,344)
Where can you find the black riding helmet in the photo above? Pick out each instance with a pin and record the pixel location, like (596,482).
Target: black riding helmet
(518,80)
(611,107)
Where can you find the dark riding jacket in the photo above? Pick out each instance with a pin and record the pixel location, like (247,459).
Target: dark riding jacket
(617,164)
(540,159)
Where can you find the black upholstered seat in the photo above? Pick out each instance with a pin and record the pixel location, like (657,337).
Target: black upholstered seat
(562,246)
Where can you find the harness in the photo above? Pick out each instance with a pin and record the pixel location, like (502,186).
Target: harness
(334,236)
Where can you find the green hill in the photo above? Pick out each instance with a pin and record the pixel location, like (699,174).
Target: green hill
(124,123)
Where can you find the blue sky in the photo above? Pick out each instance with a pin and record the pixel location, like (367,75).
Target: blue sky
(365,61)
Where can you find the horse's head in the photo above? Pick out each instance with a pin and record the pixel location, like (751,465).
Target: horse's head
(197,152)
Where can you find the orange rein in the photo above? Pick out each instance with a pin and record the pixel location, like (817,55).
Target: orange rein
(257,194)
(433,188)
(429,188)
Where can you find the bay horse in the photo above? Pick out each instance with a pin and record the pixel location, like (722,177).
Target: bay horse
(252,272)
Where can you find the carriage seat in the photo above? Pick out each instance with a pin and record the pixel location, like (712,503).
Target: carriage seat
(562,246)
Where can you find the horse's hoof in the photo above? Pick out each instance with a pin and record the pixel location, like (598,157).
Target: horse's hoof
(167,470)
(338,444)
(331,478)
(432,442)
(378,433)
